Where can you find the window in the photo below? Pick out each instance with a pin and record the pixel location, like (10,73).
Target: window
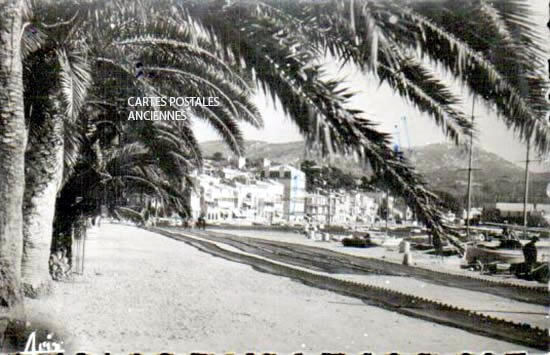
(287,174)
(273,174)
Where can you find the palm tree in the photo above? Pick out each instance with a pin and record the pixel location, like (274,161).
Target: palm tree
(13,138)
(490,46)
(58,71)
(128,169)
(56,75)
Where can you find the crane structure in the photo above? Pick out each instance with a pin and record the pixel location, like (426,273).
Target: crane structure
(397,146)
(398,149)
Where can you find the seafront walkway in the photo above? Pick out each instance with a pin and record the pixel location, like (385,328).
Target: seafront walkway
(143,292)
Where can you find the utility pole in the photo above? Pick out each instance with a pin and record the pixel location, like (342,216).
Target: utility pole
(469,203)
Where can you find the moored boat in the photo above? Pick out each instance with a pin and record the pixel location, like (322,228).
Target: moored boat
(384,240)
(487,255)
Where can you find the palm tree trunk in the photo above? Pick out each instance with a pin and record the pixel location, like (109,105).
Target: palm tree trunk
(13,141)
(44,162)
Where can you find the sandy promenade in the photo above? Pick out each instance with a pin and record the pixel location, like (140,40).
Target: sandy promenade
(479,301)
(144,292)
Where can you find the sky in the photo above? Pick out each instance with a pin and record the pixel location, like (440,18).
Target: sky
(386,108)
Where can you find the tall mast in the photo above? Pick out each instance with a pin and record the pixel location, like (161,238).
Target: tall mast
(469,204)
(526,190)
(387,209)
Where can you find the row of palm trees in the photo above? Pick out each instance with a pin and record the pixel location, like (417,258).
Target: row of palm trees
(68,67)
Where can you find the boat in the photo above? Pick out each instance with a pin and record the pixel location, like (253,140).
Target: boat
(486,255)
(384,240)
(392,242)
(339,238)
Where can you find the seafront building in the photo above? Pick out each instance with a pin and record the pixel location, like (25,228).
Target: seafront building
(317,207)
(294,182)
(273,194)
(220,199)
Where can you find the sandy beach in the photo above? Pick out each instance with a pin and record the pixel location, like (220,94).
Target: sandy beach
(143,292)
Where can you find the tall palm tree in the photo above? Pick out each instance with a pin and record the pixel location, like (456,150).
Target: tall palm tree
(59,74)
(56,80)
(13,139)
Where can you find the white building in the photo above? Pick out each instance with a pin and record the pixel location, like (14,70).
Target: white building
(363,207)
(345,207)
(221,200)
(268,198)
(316,207)
(216,200)
(294,182)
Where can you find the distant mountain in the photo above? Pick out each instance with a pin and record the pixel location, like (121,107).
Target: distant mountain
(447,158)
(284,153)
(444,167)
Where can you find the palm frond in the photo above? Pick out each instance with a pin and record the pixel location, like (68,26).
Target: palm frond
(32,39)
(466,52)
(125,213)
(287,73)
(75,79)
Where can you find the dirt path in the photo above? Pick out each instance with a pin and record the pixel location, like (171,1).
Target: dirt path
(144,292)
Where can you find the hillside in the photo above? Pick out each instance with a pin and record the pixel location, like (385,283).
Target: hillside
(444,167)
(284,153)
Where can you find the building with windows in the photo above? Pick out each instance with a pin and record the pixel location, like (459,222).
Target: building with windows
(294,182)
(317,208)
(242,198)
(340,207)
